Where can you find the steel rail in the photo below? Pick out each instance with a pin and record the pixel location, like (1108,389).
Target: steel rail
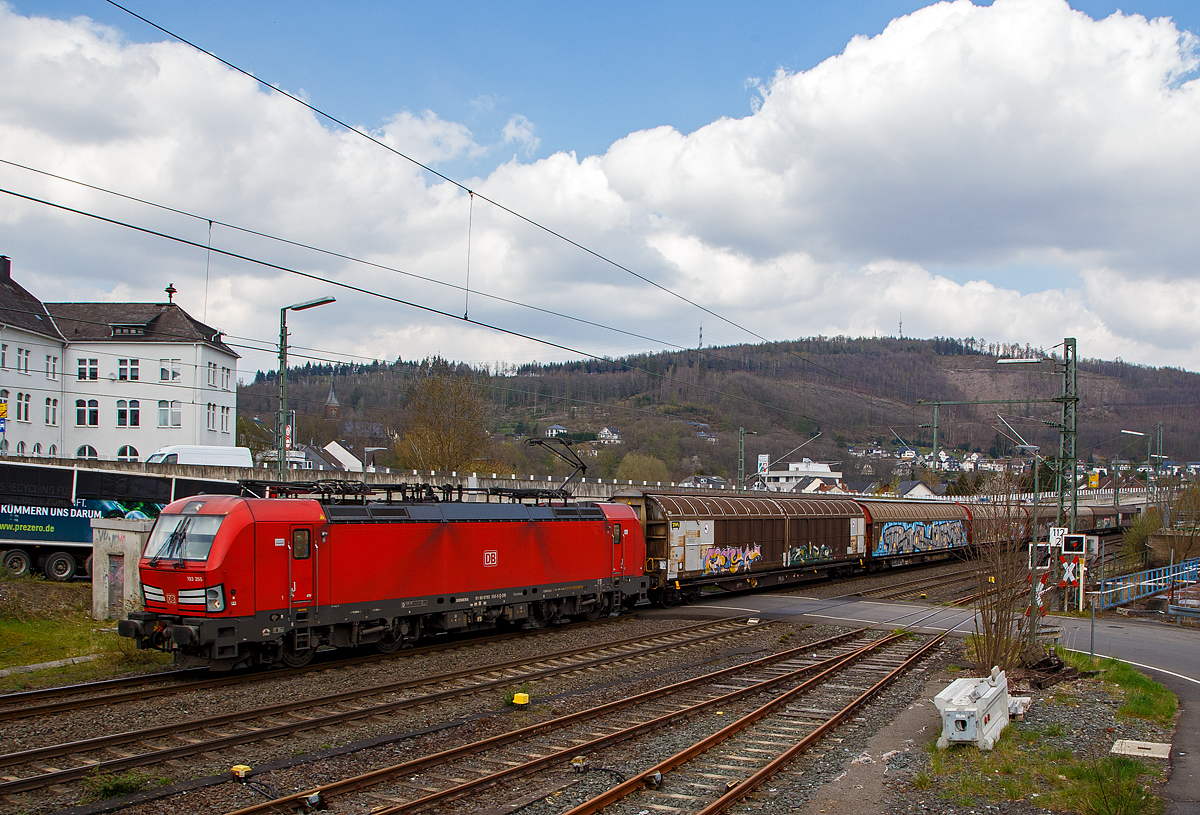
(899,589)
(232,679)
(754,781)
(384,774)
(263,733)
(637,782)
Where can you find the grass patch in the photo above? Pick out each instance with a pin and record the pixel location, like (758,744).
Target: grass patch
(1023,768)
(1111,786)
(113,785)
(1144,698)
(1030,764)
(42,621)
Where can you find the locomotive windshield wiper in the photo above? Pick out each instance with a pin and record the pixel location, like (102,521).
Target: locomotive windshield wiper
(174,547)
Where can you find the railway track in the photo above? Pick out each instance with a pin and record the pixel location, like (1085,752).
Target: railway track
(41,702)
(771,691)
(39,768)
(916,587)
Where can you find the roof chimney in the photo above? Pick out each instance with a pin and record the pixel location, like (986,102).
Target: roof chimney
(5,268)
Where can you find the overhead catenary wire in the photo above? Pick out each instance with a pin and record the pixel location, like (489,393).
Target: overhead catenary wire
(401,301)
(524,218)
(383,267)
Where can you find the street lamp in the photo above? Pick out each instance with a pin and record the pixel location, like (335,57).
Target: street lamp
(368,451)
(284,439)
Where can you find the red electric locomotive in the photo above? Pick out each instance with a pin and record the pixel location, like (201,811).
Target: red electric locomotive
(230,582)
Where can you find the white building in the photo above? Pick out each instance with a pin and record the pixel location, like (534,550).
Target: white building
(110,380)
(609,435)
(797,472)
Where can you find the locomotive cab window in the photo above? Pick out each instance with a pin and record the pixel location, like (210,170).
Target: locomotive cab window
(182,537)
(301,539)
(616,534)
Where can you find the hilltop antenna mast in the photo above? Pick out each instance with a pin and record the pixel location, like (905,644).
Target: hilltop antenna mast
(902,325)
(700,344)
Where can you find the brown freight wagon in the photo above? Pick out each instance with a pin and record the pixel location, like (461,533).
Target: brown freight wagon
(740,542)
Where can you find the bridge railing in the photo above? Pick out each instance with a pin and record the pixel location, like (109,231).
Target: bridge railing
(1116,591)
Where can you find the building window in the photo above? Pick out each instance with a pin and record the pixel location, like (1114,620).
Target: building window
(23,360)
(51,412)
(225,419)
(225,374)
(87,452)
(212,416)
(20,448)
(88,369)
(3,447)
(169,414)
(51,367)
(53,451)
(129,413)
(4,355)
(127,453)
(168,370)
(212,374)
(87,414)
(127,370)
(23,400)
(36,452)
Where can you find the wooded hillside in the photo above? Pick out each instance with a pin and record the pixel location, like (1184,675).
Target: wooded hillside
(850,391)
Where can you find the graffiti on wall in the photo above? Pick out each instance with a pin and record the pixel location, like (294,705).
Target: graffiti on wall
(731,559)
(806,553)
(902,537)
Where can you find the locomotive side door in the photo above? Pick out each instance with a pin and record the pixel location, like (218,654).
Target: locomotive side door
(301,567)
(618,552)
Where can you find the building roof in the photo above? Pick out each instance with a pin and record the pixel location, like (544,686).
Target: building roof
(133,322)
(20,309)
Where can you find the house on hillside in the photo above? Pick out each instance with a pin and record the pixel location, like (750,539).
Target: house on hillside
(814,485)
(555,430)
(609,435)
(914,489)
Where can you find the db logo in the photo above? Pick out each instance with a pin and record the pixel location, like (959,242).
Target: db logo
(491,557)
(170,598)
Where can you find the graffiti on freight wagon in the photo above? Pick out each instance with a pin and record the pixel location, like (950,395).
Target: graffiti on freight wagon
(902,537)
(730,559)
(806,553)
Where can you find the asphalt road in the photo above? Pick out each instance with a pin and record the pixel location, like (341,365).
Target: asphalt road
(1169,654)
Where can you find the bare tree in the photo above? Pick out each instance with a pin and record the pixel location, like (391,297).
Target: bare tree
(1000,528)
(447,422)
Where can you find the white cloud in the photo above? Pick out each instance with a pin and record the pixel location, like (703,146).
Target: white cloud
(519,130)
(964,138)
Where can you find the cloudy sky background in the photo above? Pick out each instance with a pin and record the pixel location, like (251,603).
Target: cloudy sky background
(1020,172)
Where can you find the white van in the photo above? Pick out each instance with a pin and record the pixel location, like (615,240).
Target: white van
(203,455)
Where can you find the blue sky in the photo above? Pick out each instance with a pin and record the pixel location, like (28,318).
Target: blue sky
(1019,171)
(584,74)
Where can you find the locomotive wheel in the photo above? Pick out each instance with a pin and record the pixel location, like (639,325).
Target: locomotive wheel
(596,612)
(389,643)
(670,597)
(292,658)
(17,562)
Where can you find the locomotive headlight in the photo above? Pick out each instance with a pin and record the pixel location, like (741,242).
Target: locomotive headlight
(214,598)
